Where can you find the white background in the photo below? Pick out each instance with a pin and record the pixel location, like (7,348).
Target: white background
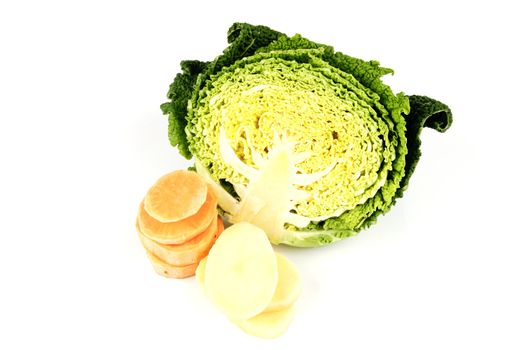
(82,138)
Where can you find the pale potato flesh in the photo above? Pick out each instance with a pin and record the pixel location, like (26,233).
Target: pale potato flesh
(199,273)
(241,271)
(288,287)
(268,324)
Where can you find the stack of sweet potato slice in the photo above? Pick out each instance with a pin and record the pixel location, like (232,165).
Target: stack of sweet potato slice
(178,223)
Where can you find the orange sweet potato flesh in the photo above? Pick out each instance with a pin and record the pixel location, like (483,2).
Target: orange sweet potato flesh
(188,253)
(181,231)
(176,196)
(171,271)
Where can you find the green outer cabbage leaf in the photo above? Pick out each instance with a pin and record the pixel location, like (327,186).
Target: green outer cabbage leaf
(406,115)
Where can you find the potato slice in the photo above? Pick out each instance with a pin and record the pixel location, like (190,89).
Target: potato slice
(199,273)
(171,271)
(268,325)
(241,271)
(289,286)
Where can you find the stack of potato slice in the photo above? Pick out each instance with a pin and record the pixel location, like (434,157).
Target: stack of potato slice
(178,223)
(254,286)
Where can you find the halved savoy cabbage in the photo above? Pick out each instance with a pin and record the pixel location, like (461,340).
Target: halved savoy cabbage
(303,141)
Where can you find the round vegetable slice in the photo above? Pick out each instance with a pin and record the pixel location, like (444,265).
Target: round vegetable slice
(288,287)
(199,273)
(241,271)
(176,196)
(181,231)
(268,324)
(189,252)
(171,271)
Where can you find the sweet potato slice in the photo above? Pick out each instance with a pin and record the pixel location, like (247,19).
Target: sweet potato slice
(190,252)
(176,196)
(171,271)
(181,231)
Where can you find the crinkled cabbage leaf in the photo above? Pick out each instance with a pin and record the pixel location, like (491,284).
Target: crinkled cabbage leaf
(306,142)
